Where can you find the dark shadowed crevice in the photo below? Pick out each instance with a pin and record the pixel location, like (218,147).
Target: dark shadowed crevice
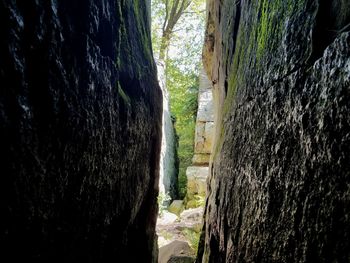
(332,19)
(237,19)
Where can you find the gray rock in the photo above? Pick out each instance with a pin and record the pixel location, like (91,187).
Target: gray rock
(80,128)
(176,207)
(167,218)
(204,137)
(192,218)
(176,252)
(205,99)
(205,122)
(181,259)
(168,157)
(197,180)
(192,214)
(279,187)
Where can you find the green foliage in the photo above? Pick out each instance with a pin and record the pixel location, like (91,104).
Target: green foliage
(192,237)
(167,235)
(183,89)
(195,201)
(186,40)
(182,70)
(162,199)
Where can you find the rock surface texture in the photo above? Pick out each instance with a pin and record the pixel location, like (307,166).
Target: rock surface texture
(280,180)
(80,114)
(168,158)
(197,173)
(176,252)
(204,122)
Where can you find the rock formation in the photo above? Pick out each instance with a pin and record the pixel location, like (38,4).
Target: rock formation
(80,115)
(204,122)
(197,173)
(176,252)
(168,158)
(279,187)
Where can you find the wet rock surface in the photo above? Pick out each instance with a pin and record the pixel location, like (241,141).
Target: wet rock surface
(80,114)
(279,190)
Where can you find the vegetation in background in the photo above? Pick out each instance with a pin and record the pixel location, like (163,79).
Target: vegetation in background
(174,9)
(177,37)
(193,238)
(163,199)
(183,103)
(195,201)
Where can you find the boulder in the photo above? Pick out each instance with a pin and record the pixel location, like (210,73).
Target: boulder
(176,207)
(167,218)
(196,181)
(192,218)
(193,214)
(176,252)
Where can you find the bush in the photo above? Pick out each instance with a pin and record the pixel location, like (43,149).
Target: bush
(163,199)
(192,237)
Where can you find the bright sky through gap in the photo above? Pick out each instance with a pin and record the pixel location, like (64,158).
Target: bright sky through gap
(187,40)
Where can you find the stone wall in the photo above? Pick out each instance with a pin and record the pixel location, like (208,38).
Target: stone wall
(197,173)
(80,128)
(204,122)
(279,187)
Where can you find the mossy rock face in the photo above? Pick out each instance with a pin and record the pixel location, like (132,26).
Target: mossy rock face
(176,207)
(281,76)
(194,201)
(191,204)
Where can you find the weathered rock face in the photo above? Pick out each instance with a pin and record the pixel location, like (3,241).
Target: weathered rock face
(198,173)
(204,122)
(196,180)
(280,184)
(168,182)
(80,114)
(176,252)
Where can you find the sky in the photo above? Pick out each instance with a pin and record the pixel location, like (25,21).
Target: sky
(187,41)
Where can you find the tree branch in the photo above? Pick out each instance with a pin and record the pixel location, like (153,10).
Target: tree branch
(166,14)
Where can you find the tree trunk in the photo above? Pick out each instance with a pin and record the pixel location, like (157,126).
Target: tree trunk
(164,46)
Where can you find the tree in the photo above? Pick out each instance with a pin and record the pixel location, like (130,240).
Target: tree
(174,9)
(168,14)
(177,37)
